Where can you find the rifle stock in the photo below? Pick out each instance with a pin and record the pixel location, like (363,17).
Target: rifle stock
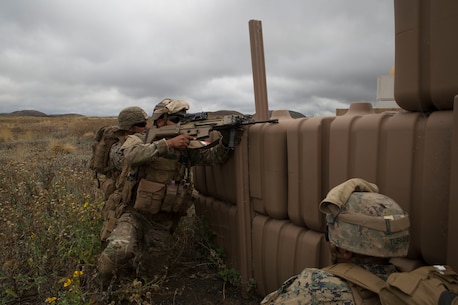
(201,128)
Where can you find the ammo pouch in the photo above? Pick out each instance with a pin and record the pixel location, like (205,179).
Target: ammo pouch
(108,187)
(153,197)
(149,196)
(178,197)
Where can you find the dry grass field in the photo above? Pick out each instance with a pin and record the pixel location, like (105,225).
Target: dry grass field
(50,222)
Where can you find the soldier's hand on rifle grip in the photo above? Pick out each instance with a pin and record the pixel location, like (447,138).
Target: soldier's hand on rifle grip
(179,142)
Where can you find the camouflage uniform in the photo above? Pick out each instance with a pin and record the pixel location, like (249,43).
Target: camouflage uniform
(143,235)
(360,220)
(315,286)
(127,118)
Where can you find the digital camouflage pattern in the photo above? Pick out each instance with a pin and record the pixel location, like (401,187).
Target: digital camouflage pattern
(363,238)
(315,286)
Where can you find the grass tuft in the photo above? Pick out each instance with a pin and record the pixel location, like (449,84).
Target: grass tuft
(6,134)
(57,146)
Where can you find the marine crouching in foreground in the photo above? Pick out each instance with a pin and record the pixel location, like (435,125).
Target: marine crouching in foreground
(364,228)
(153,192)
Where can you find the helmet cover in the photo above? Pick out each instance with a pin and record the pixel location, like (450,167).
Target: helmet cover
(169,107)
(370,224)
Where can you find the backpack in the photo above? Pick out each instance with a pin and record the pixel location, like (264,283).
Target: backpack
(427,285)
(104,139)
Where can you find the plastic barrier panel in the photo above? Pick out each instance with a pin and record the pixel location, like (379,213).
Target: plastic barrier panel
(426,77)
(218,180)
(400,172)
(341,142)
(436,187)
(223,221)
(199,179)
(411,82)
(268,166)
(308,163)
(444,50)
(366,147)
(281,249)
(224,181)
(452,245)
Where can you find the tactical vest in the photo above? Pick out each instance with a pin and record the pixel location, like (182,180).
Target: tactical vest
(163,186)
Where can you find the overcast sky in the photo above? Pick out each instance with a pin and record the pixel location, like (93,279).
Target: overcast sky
(95,57)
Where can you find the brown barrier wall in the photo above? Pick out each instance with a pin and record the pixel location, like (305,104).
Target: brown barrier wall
(263,204)
(293,164)
(426,45)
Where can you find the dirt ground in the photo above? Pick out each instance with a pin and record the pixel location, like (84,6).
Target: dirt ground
(195,274)
(184,284)
(191,287)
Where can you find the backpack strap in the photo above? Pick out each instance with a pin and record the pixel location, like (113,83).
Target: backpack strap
(357,275)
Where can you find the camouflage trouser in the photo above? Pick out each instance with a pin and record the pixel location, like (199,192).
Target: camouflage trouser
(137,243)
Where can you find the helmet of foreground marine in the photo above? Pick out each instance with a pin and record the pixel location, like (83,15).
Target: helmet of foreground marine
(130,116)
(170,107)
(370,224)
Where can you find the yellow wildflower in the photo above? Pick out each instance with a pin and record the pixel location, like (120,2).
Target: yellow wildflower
(86,204)
(77,273)
(50,300)
(68,282)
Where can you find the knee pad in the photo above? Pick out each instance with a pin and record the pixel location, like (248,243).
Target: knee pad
(122,243)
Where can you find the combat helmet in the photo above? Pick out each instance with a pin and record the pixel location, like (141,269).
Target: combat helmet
(367,223)
(130,116)
(170,107)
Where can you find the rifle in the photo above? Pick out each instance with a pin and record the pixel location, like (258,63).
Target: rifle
(199,126)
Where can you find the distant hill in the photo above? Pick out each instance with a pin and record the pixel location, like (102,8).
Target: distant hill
(26,113)
(36,113)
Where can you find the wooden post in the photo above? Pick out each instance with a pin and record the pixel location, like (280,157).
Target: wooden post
(244,208)
(259,71)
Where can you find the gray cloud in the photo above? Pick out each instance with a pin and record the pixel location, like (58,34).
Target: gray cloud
(97,57)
